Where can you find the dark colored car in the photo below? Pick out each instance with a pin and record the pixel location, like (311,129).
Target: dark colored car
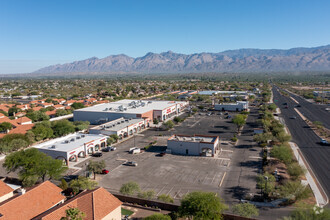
(162,154)
(97,154)
(106,149)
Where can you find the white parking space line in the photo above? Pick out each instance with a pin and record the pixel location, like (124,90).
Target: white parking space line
(161,190)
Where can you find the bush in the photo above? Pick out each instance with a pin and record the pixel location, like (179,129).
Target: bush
(282,153)
(150,194)
(169,124)
(294,190)
(295,171)
(247,210)
(234,139)
(165,198)
(158,216)
(130,188)
(261,183)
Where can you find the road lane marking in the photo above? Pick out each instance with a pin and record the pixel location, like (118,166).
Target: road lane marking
(223,177)
(294,100)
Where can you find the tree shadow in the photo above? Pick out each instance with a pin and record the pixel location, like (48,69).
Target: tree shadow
(222,127)
(156,149)
(251,164)
(238,192)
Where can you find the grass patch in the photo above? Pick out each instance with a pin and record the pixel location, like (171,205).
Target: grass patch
(126,212)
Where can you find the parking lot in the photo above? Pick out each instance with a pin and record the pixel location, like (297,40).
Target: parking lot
(173,175)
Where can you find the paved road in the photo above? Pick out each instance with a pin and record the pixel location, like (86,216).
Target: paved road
(312,111)
(316,155)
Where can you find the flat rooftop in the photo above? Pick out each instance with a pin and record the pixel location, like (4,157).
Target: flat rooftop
(69,142)
(118,124)
(130,106)
(211,92)
(195,138)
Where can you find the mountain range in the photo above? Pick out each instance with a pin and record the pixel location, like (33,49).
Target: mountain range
(242,60)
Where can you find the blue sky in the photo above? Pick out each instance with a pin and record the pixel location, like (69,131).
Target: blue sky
(34,34)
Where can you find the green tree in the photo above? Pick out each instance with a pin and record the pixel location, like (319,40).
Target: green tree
(246,210)
(202,205)
(60,112)
(155,121)
(37,116)
(96,167)
(81,125)
(295,170)
(115,137)
(77,105)
(12,111)
(33,165)
(239,121)
(158,216)
(266,182)
(150,194)
(63,185)
(272,107)
(262,138)
(282,137)
(308,212)
(294,190)
(169,124)
(130,188)
(62,127)
(17,144)
(42,132)
(282,153)
(4,126)
(82,183)
(74,214)
(165,198)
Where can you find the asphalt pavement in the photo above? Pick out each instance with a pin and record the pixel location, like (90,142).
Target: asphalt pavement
(316,155)
(312,111)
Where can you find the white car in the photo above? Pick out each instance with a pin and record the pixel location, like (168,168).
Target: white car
(324,142)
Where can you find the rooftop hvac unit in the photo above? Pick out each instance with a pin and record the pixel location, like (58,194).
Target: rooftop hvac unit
(125,109)
(122,121)
(110,108)
(83,136)
(149,102)
(67,141)
(118,122)
(106,109)
(126,119)
(78,138)
(53,147)
(72,139)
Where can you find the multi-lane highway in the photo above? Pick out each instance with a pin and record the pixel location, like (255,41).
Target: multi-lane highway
(316,155)
(312,111)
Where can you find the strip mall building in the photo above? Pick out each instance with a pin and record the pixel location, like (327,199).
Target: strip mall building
(102,113)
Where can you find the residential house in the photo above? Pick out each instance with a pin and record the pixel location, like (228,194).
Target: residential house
(5,191)
(97,204)
(31,203)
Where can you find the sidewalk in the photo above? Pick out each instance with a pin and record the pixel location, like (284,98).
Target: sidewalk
(321,199)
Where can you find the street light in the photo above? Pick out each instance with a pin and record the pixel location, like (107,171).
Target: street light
(265,191)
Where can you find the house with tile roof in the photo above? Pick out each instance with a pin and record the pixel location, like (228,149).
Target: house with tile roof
(32,203)
(97,204)
(59,106)
(23,121)
(6,191)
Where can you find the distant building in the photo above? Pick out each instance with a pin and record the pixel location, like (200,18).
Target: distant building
(121,127)
(238,106)
(74,146)
(323,94)
(98,114)
(196,145)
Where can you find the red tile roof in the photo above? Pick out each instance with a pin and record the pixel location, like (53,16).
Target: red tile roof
(23,120)
(96,204)
(34,202)
(4,189)
(21,129)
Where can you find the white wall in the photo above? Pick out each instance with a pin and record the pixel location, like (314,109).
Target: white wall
(114,215)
